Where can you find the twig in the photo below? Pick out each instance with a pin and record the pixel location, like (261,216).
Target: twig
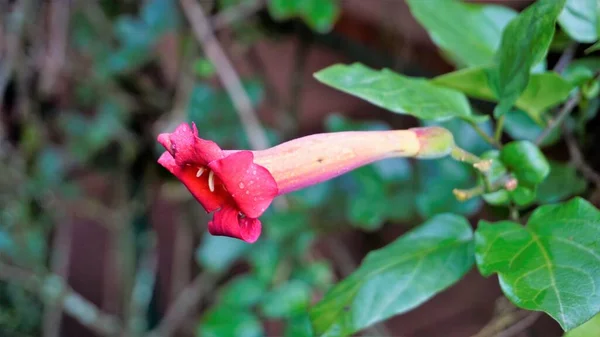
(183,305)
(57,45)
(53,288)
(562,114)
(522,325)
(296,82)
(566,58)
(237,13)
(60,266)
(15,32)
(578,160)
(504,322)
(230,79)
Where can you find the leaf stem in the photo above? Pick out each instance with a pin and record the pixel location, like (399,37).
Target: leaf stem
(484,135)
(499,129)
(483,165)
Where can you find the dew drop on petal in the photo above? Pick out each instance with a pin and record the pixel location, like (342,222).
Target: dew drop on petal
(241,185)
(247,192)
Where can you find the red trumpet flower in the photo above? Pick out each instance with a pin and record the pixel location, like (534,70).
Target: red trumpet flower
(240,185)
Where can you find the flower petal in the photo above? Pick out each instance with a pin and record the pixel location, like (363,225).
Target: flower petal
(227,222)
(251,186)
(197,186)
(187,149)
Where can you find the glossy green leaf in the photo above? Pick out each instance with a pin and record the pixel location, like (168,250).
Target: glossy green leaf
(398,277)
(579,18)
(550,265)
(525,42)
(320,15)
(526,161)
(543,91)
(395,92)
(230,322)
(588,329)
(469,33)
(562,182)
(291,298)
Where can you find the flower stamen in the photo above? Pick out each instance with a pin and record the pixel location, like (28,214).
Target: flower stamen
(200,172)
(211,181)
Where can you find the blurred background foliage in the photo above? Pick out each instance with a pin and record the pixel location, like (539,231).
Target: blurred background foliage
(85,87)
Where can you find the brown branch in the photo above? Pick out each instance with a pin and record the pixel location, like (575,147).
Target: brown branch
(57,45)
(13,40)
(521,325)
(578,160)
(566,58)
(229,77)
(60,266)
(297,82)
(54,289)
(562,114)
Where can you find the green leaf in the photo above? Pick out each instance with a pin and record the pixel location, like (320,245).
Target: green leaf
(243,291)
(400,94)
(264,258)
(525,42)
(587,329)
(291,298)
(367,205)
(398,277)
(550,265)
(160,16)
(318,274)
(218,253)
(579,19)
(320,15)
(299,327)
(543,91)
(469,33)
(526,161)
(230,322)
(203,68)
(562,183)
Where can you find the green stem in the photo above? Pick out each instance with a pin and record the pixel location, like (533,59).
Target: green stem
(459,154)
(499,128)
(484,135)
